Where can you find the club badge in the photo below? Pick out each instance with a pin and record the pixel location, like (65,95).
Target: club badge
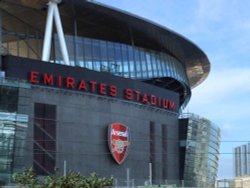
(119,140)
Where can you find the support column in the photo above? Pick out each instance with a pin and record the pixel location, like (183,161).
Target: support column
(61,36)
(48,33)
(54,12)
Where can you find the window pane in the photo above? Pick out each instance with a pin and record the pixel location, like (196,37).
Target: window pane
(125,60)
(138,63)
(118,60)
(104,56)
(131,62)
(88,53)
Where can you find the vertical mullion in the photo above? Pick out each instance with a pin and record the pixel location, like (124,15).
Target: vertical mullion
(129,70)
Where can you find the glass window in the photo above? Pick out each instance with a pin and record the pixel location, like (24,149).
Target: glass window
(104,56)
(174,68)
(88,53)
(164,60)
(111,57)
(125,60)
(80,53)
(143,64)
(118,66)
(154,64)
(8,99)
(121,59)
(96,52)
(149,64)
(159,65)
(131,62)
(13,129)
(138,64)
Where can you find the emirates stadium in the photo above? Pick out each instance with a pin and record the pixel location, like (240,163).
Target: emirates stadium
(87,87)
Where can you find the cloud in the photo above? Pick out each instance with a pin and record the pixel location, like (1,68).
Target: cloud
(223,84)
(223,95)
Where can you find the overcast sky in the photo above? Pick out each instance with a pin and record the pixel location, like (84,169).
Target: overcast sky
(221,28)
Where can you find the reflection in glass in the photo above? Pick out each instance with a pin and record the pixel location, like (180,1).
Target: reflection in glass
(13,129)
(121,59)
(202,150)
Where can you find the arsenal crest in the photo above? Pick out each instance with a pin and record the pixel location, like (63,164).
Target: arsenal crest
(119,140)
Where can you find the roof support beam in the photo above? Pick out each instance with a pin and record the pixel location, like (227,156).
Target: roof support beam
(54,12)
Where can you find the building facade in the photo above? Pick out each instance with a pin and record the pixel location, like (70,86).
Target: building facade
(242,160)
(59,97)
(199,150)
(238,182)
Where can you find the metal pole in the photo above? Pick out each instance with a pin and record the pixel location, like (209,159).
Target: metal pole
(182,183)
(116,183)
(48,33)
(64,168)
(133,183)
(166,182)
(150,174)
(127,177)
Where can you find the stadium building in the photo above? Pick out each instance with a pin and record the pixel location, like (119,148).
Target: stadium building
(93,87)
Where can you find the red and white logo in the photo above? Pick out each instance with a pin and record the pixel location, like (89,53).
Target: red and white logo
(119,140)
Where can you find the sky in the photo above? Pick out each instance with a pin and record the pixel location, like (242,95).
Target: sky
(221,28)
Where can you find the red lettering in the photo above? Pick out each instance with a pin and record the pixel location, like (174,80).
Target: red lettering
(171,105)
(48,79)
(59,80)
(137,95)
(113,91)
(153,100)
(70,82)
(92,85)
(145,98)
(102,89)
(82,85)
(128,94)
(164,103)
(34,79)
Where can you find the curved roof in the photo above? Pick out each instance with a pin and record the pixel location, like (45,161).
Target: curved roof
(103,22)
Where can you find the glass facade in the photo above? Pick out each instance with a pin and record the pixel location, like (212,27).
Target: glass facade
(201,152)
(13,129)
(242,160)
(120,59)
